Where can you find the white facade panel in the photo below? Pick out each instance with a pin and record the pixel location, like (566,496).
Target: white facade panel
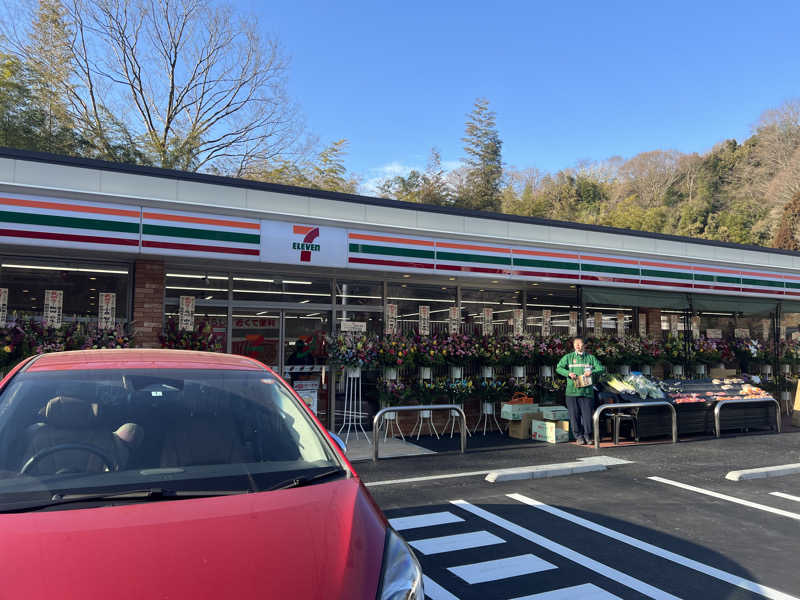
(7,169)
(534,234)
(138,186)
(670,248)
(194,192)
(382,215)
(52,176)
(440,222)
(486,227)
(270,202)
(333,209)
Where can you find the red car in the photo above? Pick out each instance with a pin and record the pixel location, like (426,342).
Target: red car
(168,474)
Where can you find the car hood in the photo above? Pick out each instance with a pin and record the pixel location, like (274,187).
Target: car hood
(321,541)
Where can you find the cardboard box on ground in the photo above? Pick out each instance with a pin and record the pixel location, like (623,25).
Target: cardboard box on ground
(796,407)
(550,431)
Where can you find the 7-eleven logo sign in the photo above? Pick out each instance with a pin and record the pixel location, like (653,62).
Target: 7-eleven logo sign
(307,246)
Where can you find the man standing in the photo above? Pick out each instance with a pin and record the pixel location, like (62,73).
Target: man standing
(580,399)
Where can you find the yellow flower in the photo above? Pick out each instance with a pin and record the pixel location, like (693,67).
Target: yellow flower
(7,349)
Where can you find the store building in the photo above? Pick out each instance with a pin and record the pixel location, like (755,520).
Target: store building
(268,265)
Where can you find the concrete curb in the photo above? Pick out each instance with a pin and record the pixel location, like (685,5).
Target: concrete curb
(582,465)
(764,472)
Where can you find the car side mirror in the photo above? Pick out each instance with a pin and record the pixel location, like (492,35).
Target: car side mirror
(338,441)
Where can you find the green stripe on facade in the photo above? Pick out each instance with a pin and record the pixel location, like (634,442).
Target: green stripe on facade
(608,269)
(699,277)
(548,264)
(69,222)
(716,278)
(763,282)
(478,258)
(391,251)
(666,274)
(791,284)
(201,234)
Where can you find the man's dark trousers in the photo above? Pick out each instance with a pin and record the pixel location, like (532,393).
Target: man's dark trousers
(580,410)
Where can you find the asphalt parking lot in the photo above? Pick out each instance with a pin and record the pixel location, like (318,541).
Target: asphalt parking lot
(665,525)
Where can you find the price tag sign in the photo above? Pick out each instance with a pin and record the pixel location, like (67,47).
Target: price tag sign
(424,320)
(488,321)
(454,320)
(391,319)
(547,321)
(107,310)
(765,329)
(186,313)
(353,326)
(519,325)
(695,327)
(741,334)
(714,334)
(642,324)
(598,324)
(3,306)
(53,304)
(573,323)
(673,323)
(620,324)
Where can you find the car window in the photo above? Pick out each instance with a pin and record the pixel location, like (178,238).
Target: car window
(64,431)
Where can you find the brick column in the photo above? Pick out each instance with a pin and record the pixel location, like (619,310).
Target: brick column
(148,302)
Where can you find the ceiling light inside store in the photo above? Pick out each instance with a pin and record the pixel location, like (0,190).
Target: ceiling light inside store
(406,275)
(93,278)
(25,291)
(298,282)
(42,268)
(188,276)
(208,297)
(199,289)
(403,285)
(452,278)
(90,289)
(305,301)
(495,281)
(253,279)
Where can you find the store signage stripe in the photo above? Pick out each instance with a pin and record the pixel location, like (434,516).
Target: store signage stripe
(61,214)
(666,283)
(762,291)
(699,286)
(468,269)
(611,259)
(200,248)
(201,220)
(608,269)
(763,282)
(789,284)
(546,274)
(81,208)
(667,274)
(389,263)
(68,222)
(527,262)
(67,237)
(608,279)
(714,269)
(200,234)
(545,254)
(453,246)
(391,240)
(391,251)
(478,258)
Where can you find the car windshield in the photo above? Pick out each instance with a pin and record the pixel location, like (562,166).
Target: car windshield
(101,431)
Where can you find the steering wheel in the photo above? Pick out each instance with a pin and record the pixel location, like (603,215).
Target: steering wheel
(107,462)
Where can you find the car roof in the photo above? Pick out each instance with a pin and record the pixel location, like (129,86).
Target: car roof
(141,358)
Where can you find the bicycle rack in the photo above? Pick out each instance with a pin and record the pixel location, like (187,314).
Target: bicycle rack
(601,408)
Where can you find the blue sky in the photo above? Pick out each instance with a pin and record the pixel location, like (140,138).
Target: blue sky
(568,80)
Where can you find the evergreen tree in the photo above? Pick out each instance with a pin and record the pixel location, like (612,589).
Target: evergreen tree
(480,189)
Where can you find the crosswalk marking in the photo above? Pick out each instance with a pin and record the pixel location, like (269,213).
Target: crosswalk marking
(581,559)
(461,541)
(502,568)
(434,591)
(785,496)
(741,582)
(426,520)
(587,591)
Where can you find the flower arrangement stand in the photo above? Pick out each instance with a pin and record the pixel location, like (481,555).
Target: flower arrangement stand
(453,417)
(389,425)
(487,410)
(424,417)
(353,414)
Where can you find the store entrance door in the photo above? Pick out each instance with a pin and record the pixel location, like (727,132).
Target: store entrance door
(302,356)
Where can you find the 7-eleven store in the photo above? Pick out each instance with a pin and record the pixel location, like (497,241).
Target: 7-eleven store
(267,265)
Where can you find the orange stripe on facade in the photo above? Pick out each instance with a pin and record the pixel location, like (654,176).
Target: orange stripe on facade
(664,265)
(546,254)
(201,220)
(301,229)
(716,270)
(471,247)
(96,210)
(622,261)
(392,240)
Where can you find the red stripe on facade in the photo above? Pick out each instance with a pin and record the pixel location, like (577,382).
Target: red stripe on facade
(722,288)
(666,283)
(772,292)
(473,269)
(68,237)
(389,263)
(199,248)
(788,293)
(546,274)
(609,279)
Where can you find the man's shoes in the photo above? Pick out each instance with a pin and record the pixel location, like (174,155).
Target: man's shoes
(580,441)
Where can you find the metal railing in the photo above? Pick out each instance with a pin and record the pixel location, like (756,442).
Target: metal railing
(722,403)
(601,408)
(376,422)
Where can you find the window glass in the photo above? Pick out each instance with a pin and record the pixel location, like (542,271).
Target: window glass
(558,299)
(502,303)
(355,293)
(289,288)
(203,286)
(409,297)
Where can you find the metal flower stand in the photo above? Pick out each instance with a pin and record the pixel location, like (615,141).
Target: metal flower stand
(487,410)
(352,405)
(424,418)
(451,421)
(389,425)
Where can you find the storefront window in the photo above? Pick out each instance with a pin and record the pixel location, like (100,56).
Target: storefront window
(559,300)
(359,293)
(410,297)
(80,283)
(502,303)
(295,290)
(203,286)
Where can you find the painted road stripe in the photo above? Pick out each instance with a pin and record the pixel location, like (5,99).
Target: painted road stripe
(764,507)
(434,591)
(426,520)
(576,557)
(786,496)
(427,478)
(587,591)
(741,582)
(503,568)
(461,541)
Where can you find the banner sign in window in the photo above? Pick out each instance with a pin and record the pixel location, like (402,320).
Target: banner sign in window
(598,324)
(547,321)
(488,318)
(107,310)
(620,324)
(424,320)
(765,329)
(3,306)
(391,319)
(454,320)
(741,334)
(714,334)
(642,324)
(783,332)
(573,323)
(186,313)
(673,323)
(695,327)
(519,323)
(354,326)
(53,304)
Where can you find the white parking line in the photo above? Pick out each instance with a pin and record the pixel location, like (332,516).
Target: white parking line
(426,520)
(434,591)
(786,496)
(451,543)
(587,591)
(427,478)
(598,567)
(741,582)
(503,568)
(764,507)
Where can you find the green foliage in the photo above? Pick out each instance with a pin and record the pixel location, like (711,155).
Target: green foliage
(480,188)
(428,187)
